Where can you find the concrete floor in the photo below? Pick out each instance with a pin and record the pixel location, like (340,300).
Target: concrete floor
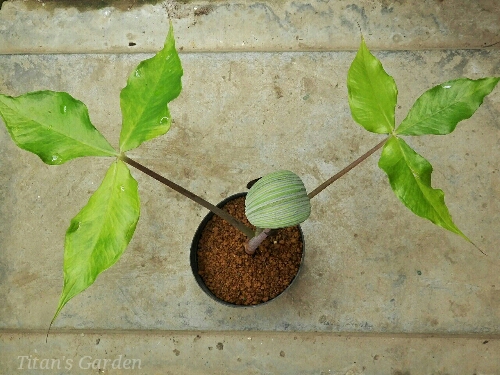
(381,291)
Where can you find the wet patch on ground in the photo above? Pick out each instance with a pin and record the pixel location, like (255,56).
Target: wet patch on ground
(83,5)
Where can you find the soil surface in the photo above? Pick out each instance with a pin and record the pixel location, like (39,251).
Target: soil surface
(238,278)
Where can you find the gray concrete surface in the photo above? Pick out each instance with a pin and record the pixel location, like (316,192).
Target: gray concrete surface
(385,279)
(181,352)
(30,26)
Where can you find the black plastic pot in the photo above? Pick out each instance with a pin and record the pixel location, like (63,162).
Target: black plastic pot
(194,258)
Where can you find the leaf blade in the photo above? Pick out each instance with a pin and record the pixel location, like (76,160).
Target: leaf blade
(410,178)
(439,109)
(372,93)
(99,234)
(150,87)
(53,125)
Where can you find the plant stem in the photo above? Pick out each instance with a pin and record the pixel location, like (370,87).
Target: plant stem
(253,243)
(254,240)
(216,210)
(334,178)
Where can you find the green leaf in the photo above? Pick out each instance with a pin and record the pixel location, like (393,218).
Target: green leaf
(410,178)
(440,109)
(150,87)
(100,232)
(372,93)
(53,125)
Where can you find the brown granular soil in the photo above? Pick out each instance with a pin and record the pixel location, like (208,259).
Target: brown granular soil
(241,279)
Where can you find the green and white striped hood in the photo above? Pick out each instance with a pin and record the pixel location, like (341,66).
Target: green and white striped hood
(277,200)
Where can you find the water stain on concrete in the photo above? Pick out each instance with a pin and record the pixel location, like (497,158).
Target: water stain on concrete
(83,5)
(23,278)
(458,310)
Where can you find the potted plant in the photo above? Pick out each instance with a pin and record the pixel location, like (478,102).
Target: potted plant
(57,128)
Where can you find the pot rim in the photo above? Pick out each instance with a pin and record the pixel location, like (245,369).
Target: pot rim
(193,258)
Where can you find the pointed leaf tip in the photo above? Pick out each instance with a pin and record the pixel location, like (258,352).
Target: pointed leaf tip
(372,92)
(150,87)
(53,125)
(440,109)
(410,178)
(99,234)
